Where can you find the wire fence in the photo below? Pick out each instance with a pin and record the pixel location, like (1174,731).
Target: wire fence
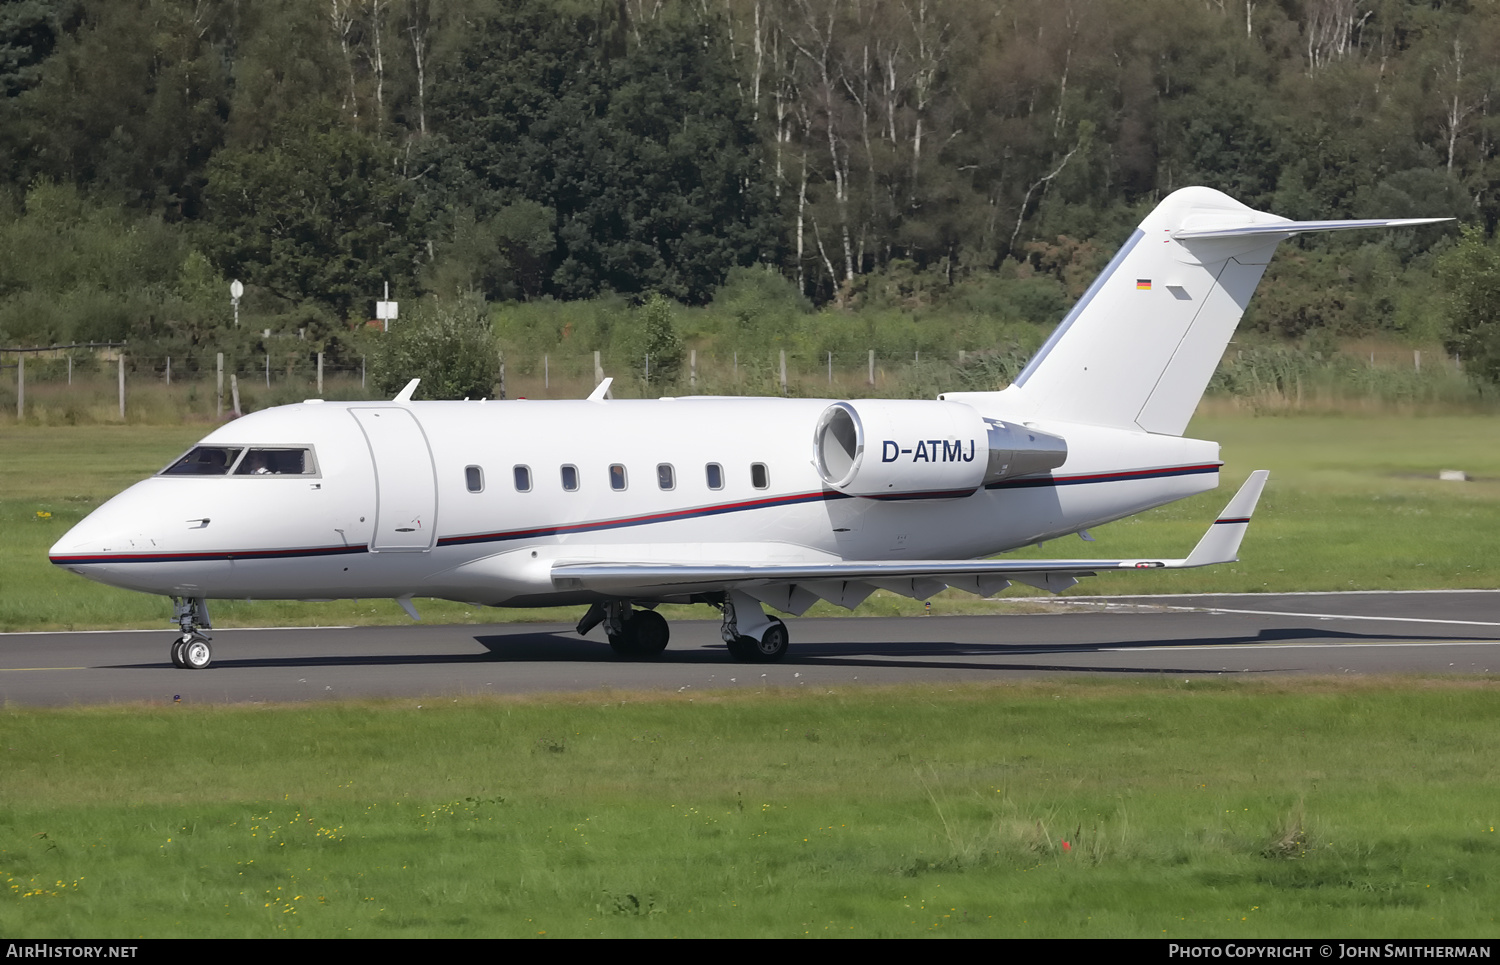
(97,382)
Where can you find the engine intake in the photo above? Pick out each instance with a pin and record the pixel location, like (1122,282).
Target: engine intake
(902,449)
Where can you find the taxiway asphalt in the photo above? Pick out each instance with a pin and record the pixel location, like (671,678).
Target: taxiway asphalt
(1454,632)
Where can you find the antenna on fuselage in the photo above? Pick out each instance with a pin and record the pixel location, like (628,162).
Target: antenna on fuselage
(404,396)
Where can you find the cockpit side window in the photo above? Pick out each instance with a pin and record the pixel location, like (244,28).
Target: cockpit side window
(276,462)
(205,461)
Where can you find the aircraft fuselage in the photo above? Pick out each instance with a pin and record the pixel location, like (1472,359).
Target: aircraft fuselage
(475,501)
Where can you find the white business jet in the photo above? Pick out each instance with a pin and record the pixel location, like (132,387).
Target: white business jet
(734,503)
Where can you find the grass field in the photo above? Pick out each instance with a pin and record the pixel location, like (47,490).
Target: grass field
(1354,503)
(1166,808)
(1151,809)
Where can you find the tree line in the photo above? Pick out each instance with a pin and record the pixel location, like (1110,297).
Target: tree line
(912,154)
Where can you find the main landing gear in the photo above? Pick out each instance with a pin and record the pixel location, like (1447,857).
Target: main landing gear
(752,637)
(191,651)
(633,634)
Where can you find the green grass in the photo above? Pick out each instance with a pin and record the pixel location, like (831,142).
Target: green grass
(1152,809)
(1353,503)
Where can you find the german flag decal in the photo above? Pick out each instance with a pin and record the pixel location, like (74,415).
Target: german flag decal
(1143,284)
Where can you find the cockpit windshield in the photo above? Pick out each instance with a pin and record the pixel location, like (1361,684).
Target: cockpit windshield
(204,461)
(274,462)
(243,461)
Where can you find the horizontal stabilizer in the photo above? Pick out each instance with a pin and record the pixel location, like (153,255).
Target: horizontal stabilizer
(1289,228)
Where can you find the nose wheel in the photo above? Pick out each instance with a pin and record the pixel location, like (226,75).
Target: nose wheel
(191,650)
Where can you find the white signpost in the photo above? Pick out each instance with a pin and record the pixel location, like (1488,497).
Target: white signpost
(386,310)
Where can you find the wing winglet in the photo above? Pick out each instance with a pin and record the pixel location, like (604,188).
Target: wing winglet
(1221,544)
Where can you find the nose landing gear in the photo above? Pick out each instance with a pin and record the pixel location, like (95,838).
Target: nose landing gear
(191,651)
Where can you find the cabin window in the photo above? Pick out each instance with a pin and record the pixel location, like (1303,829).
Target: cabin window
(204,461)
(665,478)
(759,477)
(617,477)
(474,478)
(523,479)
(570,479)
(715,473)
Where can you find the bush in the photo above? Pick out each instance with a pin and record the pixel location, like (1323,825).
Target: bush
(448,345)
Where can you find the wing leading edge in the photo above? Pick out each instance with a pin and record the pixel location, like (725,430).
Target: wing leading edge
(793,587)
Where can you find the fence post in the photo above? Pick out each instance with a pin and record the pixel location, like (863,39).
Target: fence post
(871,379)
(70,370)
(234,392)
(783,371)
(502,375)
(320,378)
(693,368)
(219,392)
(546,372)
(20,386)
(1417,358)
(598,370)
(169,370)
(122,386)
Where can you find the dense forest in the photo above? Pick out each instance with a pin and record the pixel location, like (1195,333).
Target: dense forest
(905,154)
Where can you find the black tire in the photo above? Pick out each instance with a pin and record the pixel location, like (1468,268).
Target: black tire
(178,660)
(773,644)
(644,635)
(742,649)
(197,655)
(651,633)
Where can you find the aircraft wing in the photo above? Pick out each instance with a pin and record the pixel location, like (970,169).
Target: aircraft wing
(795,586)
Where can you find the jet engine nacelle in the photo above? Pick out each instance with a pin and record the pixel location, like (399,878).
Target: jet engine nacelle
(879,448)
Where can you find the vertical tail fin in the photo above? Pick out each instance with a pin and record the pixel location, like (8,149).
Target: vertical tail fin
(1139,347)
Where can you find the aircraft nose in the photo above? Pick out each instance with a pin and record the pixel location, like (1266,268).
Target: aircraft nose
(105,530)
(87,536)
